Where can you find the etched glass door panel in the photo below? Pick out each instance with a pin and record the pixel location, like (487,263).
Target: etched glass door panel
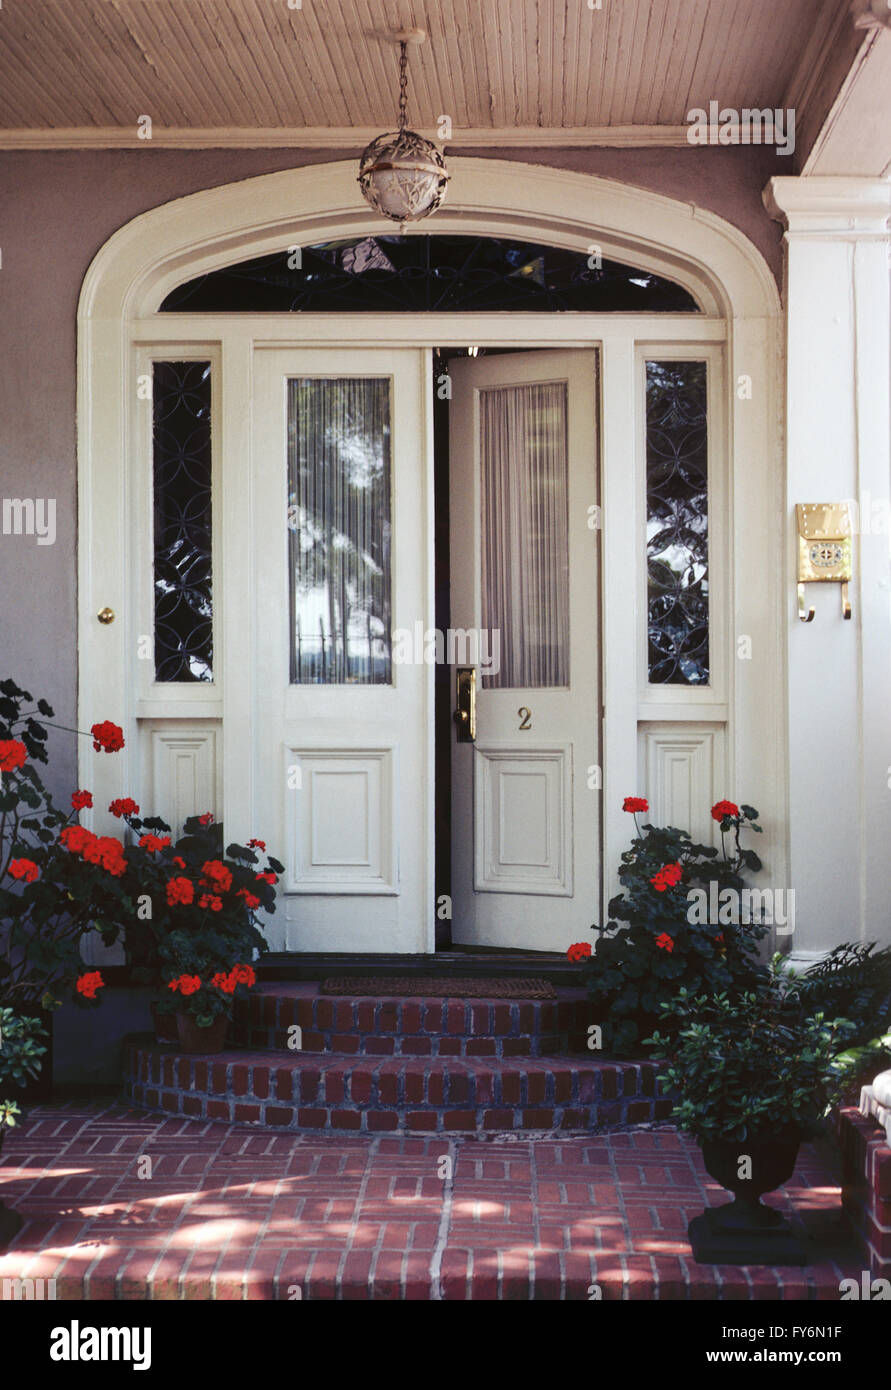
(523,478)
(525,553)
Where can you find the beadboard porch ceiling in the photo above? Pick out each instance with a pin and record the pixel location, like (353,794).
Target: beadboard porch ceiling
(80,73)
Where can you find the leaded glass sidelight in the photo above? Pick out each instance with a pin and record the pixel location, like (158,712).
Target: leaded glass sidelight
(677,523)
(181,448)
(525,554)
(339,523)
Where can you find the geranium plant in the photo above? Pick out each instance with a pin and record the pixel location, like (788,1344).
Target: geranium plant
(183,908)
(200,905)
(206,999)
(663,946)
(50,898)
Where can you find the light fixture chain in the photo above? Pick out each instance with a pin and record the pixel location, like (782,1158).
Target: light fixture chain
(403,84)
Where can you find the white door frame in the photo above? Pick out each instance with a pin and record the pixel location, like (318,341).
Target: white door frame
(721,741)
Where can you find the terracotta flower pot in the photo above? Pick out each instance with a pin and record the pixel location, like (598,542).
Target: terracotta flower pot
(165,1025)
(192,1038)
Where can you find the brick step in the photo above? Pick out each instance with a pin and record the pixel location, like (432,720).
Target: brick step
(409,1027)
(459,961)
(398,1094)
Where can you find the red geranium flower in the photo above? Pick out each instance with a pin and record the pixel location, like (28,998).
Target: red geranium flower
(186,984)
(24,868)
(268,877)
(216,876)
(123,806)
(154,843)
(256,844)
(81,799)
(180,863)
(206,819)
(107,736)
(89,983)
(76,838)
(107,852)
(635,803)
(243,975)
(212,901)
(13,754)
(250,898)
(180,890)
(665,942)
(580,950)
(724,809)
(224,982)
(669,876)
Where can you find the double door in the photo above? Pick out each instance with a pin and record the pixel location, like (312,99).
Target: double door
(344,643)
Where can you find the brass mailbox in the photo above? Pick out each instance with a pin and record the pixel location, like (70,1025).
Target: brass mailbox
(824,550)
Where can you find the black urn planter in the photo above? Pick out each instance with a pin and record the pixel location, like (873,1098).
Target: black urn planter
(744,1231)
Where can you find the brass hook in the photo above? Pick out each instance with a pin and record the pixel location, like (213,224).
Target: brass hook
(806,617)
(846,602)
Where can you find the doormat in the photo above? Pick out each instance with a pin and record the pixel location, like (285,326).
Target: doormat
(436,986)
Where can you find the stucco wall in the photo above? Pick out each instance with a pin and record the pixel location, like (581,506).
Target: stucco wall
(56,210)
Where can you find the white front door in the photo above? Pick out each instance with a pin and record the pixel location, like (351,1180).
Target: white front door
(524,602)
(341,553)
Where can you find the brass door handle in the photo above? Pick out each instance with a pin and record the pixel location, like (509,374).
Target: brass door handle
(465,702)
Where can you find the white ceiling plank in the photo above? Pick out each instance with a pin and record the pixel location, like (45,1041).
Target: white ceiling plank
(511,67)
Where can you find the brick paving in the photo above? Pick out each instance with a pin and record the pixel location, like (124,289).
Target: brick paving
(231,1212)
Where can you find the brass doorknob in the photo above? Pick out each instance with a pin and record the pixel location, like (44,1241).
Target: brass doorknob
(105,615)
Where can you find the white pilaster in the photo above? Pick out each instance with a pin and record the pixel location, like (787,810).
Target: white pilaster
(837,448)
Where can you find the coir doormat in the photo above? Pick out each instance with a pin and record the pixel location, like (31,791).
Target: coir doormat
(434,986)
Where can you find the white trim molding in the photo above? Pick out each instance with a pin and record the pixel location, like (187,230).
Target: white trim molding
(741,313)
(337,137)
(823,205)
(190,236)
(837,449)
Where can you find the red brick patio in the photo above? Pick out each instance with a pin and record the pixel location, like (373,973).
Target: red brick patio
(234,1212)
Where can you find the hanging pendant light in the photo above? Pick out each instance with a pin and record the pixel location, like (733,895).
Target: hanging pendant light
(402,175)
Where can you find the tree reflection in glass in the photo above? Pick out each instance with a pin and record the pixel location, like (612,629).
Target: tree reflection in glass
(339,522)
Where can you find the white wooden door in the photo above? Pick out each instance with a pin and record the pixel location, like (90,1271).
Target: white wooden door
(342,554)
(524,585)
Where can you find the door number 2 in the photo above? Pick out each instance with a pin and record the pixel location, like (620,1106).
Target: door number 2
(525,717)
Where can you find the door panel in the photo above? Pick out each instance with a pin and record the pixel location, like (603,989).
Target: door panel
(341,557)
(525,798)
